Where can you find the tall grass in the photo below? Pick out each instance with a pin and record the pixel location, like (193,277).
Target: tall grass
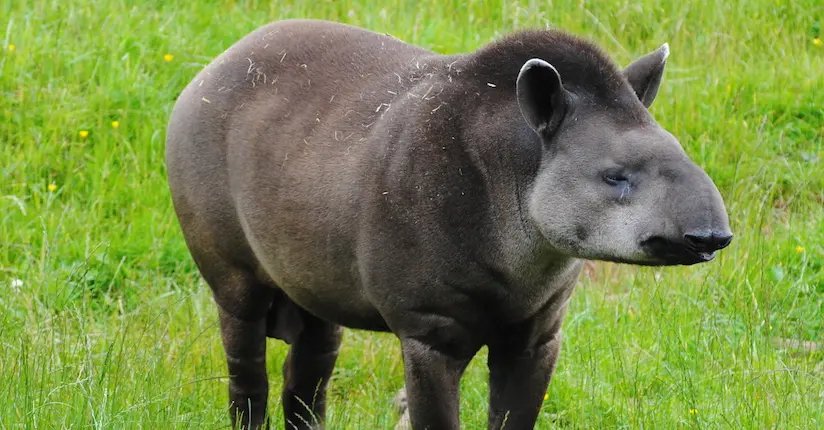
(105,323)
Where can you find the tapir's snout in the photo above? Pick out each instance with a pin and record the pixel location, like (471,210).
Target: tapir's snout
(699,224)
(692,248)
(703,244)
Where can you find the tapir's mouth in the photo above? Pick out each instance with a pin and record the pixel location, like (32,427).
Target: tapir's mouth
(667,252)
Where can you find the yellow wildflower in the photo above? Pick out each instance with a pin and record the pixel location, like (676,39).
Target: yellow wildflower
(115,124)
(168,57)
(817,41)
(12,48)
(799,249)
(693,411)
(546,396)
(52,187)
(84,134)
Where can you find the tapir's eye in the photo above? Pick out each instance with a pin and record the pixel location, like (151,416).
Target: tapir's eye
(615,178)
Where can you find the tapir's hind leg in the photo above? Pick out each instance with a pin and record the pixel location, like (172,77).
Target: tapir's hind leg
(242,308)
(306,372)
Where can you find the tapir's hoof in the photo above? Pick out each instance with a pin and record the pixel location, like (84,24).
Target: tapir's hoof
(399,402)
(402,407)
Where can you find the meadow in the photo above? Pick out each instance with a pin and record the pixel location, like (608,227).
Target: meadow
(105,322)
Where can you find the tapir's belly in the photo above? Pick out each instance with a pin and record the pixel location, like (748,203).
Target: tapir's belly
(317,273)
(320,285)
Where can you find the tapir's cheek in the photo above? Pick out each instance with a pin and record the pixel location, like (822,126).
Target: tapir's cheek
(581,233)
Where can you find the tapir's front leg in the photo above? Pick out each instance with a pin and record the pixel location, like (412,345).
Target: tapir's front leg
(518,379)
(432,384)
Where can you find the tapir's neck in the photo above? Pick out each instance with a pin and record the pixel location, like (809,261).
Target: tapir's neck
(536,274)
(527,256)
(507,154)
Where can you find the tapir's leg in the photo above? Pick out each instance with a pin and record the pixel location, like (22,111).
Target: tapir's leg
(306,372)
(432,385)
(518,379)
(242,306)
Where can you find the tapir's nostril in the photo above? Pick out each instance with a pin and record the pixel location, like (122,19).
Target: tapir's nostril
(722,240)
(705,241)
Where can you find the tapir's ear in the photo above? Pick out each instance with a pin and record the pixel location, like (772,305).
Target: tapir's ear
(645,73)
(541,96)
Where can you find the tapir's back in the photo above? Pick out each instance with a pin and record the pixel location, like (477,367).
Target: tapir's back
(264,148)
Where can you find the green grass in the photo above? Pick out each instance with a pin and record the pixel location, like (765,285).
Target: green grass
(105,323)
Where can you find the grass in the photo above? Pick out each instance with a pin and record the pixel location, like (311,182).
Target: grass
(105,323)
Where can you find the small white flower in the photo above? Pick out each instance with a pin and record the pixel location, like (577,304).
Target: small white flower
(16,283)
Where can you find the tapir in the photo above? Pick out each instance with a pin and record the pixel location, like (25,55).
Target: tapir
(326,177)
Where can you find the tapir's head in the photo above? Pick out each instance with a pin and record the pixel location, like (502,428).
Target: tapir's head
(613,184)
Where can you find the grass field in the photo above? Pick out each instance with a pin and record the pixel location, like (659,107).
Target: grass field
(105,323)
